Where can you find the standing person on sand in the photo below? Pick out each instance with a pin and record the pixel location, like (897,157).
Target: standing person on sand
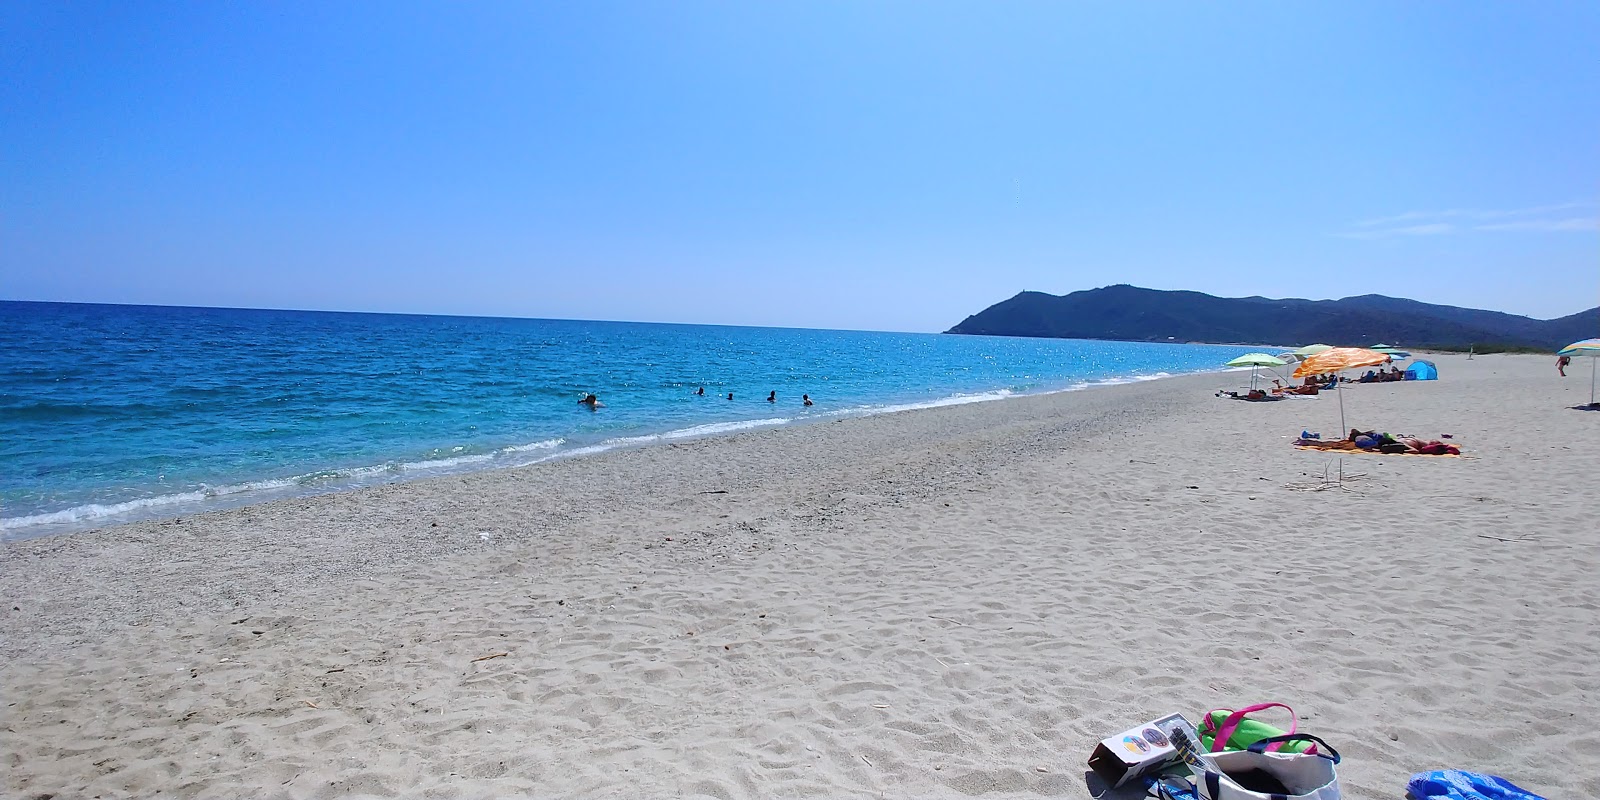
(1561,364)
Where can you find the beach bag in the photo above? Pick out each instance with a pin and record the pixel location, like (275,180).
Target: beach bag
(1255,774)
(1226,729)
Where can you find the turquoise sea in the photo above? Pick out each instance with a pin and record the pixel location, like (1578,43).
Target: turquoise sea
(116,413)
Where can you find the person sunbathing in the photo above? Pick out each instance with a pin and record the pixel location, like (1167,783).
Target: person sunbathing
(1253,394)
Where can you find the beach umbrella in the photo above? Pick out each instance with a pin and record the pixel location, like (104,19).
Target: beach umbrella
(1389,351)
(1338,359)
(1288,358)
(1255,361)
(1589,348)
(1313,349)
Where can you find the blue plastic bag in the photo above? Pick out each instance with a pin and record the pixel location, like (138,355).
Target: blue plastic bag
(1170,787)
(1454,784)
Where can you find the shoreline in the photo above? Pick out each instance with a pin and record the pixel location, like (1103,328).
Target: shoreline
(208,498)
(950,602)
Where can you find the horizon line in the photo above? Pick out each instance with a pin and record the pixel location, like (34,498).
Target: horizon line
(731,325)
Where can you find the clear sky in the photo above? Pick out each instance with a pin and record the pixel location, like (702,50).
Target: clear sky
(869,165)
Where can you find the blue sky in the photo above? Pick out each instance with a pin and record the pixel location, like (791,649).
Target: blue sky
(856,165)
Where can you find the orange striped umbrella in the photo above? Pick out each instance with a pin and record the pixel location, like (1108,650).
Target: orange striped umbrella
(1339,358)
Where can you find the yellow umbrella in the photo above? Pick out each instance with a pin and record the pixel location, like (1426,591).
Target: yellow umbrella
(1336,359)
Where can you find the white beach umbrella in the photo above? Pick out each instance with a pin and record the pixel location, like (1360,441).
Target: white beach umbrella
(1589,348)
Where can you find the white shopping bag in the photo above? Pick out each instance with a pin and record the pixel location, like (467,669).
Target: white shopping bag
(1255,774)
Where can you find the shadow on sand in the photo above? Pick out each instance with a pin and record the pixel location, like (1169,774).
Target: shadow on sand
(1098,789)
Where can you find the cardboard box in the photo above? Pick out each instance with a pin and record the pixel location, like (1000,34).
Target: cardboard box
(1134,753)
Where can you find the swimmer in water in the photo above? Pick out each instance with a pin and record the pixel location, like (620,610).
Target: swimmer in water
(772,397)
(730,395)
(702,391)
(805,399)
(591,401)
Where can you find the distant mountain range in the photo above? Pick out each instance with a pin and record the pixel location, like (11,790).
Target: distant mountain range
(1129,313)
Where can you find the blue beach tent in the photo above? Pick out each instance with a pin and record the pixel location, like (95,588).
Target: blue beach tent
(1422,371)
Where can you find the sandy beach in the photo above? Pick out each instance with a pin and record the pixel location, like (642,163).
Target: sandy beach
(940,603)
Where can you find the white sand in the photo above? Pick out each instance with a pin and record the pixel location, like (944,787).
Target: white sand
(929,604)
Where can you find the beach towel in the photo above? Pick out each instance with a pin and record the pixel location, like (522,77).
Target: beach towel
(1455,784)
(1393,448)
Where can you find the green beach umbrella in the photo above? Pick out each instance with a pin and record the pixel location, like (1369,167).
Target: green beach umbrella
(1313,349)
(1589,348)
(1389,350)
(1255,361)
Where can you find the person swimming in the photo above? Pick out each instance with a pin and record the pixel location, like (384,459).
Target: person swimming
(772,397)
(702,391)
(805,399)
(591,401)
(730,395)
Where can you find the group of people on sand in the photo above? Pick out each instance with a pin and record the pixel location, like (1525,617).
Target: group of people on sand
(1382,376)
(593,402)
(1392,444)
(1312,385)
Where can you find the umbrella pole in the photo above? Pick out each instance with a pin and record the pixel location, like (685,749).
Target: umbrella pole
(1343,431)
(1594,365)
